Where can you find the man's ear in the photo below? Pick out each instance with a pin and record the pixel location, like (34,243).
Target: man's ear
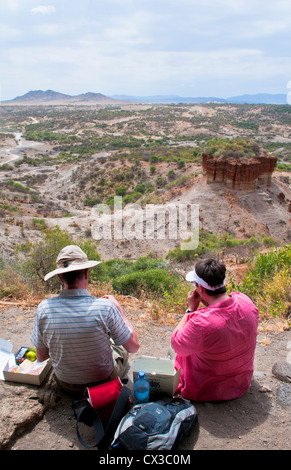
(201,289)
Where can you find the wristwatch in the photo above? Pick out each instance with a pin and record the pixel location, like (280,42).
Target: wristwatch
(188,310)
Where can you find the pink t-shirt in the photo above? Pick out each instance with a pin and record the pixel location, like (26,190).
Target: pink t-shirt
(215,350)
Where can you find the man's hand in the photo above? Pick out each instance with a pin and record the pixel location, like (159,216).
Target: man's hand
(194,300)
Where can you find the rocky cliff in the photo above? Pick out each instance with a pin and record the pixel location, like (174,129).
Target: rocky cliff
(239,173)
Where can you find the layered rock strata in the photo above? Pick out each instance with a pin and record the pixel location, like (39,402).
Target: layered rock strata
(237,173)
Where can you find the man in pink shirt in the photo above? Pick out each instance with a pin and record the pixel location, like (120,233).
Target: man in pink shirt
(215,345)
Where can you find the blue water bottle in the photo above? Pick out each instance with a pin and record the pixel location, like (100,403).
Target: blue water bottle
(141,388)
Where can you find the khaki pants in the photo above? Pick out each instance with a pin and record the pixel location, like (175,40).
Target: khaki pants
(121,360)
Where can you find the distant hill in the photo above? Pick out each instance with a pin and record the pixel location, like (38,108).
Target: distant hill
(39,95)
(260,98)
(50,97)
(169,99)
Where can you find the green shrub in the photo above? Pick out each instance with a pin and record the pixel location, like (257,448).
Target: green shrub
(264,267)
(160,181)
(129,277)
(140,188)
(110,201)
(8,207)
(268,281)
(208,243)
(39,223)
(283,166)
(133,197)
(212,243)
(153,280)
(144,263)
(92,202)
(121,191)
(114,268)
(237,147)
(119,267)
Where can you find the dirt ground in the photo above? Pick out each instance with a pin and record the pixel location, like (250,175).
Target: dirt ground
(41,418)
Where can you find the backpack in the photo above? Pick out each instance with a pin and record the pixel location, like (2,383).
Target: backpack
(155,425)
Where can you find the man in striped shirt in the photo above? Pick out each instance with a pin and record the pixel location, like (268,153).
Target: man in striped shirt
(87,338)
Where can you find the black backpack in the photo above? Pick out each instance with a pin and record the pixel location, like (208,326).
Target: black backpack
(155,425)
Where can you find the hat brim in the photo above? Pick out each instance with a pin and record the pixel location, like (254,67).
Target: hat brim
(191,276)
(72,267)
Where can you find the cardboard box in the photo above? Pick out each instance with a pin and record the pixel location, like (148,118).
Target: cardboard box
(6,355)
(161,374)
(27,372)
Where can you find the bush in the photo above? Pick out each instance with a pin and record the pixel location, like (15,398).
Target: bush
(211,243)
(208,243)
(140,188)
(268,282)
(275,298)
(114,268)
(133,197)
(130,277)
(121,191)
(153,280)
(237,147)
(144,263)
(12,283)
(160,182)
(265,266)
(92,202)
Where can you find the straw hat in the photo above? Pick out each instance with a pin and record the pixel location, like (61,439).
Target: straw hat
(71,258)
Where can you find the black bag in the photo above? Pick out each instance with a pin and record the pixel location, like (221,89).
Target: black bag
(155,425)
(104,431)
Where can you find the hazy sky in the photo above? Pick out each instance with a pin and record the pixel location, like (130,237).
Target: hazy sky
(145,47)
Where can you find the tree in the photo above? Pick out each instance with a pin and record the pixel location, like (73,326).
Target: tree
(39,258)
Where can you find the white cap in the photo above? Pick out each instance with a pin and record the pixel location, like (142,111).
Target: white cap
(192,276)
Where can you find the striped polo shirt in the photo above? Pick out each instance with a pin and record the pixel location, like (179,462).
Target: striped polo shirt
(77,329)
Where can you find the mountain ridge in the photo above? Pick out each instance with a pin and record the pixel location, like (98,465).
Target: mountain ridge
(53,97)
(259,98)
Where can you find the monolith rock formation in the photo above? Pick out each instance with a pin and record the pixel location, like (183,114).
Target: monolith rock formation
(239,172)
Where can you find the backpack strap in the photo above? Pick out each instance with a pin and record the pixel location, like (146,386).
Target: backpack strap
(116,416)
(102,437)
(97,423)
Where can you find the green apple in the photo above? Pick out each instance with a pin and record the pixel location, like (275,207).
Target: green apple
(31,356)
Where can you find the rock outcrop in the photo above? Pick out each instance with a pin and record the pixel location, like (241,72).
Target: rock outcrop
(239,173)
